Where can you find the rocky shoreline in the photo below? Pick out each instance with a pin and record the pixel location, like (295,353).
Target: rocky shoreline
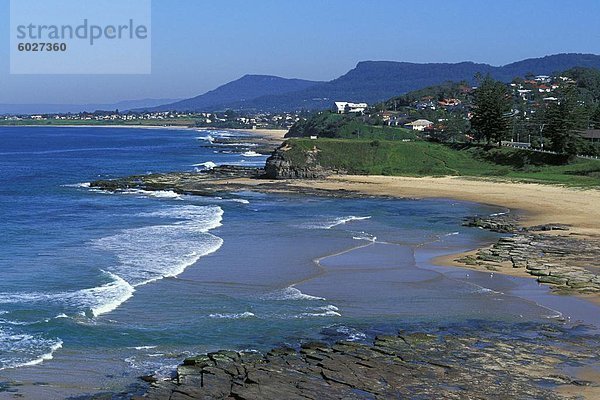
(220,180)
(567,263)
(481,363)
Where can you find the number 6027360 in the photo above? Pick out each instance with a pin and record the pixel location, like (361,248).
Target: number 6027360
(42,47)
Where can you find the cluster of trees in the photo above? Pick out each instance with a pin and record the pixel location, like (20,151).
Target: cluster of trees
(491,113)
(556,126)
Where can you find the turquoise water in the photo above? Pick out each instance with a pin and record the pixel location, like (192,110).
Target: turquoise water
(100,288)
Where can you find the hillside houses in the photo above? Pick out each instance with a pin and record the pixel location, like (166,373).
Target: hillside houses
(419,125)
(344,107)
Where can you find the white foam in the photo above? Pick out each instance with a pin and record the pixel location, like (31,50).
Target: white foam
(351,333)
(44,357)
(243,315)
(242,201)
(99,300)
(102,191)
(78,185)
(25,349)
(161,194)
(18,323)
(365,236)
(452,234)
(333,222)
(252,154)
(208,138)
(325,311)
(329,313)
(143,347)
(29,297)
(155,252)
(204,218)
(225,134)
(239,144)
(290,293)
(164,194)
(205,166)
(145,255)
(481,289)
(103,299)
(329,307)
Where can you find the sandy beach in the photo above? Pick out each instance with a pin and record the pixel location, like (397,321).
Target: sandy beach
(541,204)
(535,204)
(274,134)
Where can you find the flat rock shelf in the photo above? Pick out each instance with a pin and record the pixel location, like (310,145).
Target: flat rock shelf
(482,364)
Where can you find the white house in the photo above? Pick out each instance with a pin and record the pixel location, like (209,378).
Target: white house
(542,78)
(344,107)
(419,125)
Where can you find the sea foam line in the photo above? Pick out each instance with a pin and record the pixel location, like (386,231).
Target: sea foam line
(25,346)
(252,154)
(44,357)
(243,315)
(290,293)
(205,166)
(331,223)
(161,194)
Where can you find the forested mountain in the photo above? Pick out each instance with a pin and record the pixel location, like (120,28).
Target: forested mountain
(369,81)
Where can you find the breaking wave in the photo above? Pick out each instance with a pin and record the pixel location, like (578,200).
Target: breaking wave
(329,223)
(144,255)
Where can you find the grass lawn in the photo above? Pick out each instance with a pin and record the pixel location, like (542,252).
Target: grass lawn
(420,158)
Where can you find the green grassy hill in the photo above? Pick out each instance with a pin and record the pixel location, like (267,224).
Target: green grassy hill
(419,158)
(346,126)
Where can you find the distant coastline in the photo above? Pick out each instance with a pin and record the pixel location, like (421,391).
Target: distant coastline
(276,134)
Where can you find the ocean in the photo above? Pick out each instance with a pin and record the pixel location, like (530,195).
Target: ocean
(99,288)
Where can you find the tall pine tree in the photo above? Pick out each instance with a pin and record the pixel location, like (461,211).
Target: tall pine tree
(564,122)
(491,113)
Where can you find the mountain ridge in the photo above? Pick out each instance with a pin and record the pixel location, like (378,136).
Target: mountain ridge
(369,81)
(248,87)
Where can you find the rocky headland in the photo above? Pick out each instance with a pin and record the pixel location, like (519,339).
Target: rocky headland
(285,164)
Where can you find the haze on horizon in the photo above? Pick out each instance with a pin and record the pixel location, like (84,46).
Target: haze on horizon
(199,45)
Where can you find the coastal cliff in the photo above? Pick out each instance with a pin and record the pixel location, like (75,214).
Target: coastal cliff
(289,162)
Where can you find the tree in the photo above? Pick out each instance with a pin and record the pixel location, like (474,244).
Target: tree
(565,120)
(491,112)
(595,118)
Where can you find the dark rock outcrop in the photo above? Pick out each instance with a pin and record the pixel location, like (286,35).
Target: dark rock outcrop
(474,365)
(179,182)
(301,165)
(501,224)
(567,263)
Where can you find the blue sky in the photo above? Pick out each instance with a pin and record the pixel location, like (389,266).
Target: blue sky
(200,44)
